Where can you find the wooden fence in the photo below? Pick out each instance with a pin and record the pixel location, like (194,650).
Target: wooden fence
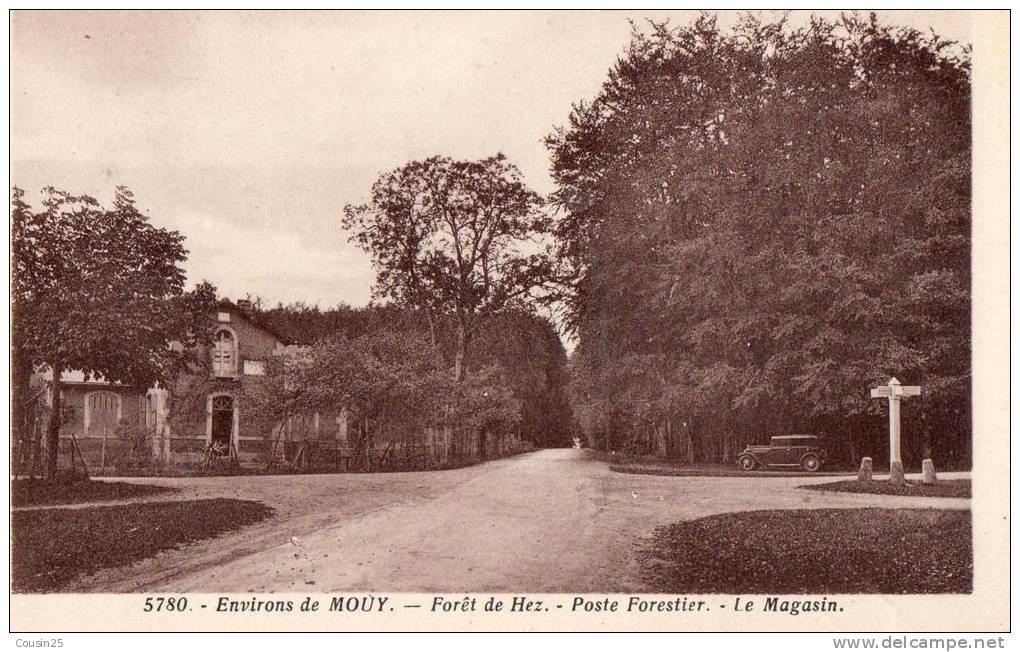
(433,448)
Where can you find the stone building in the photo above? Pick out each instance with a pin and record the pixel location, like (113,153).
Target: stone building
(114,424)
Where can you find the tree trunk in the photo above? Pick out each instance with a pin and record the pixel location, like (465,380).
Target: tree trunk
(670,448)
(460,357)
(21,369)
(690,441)
(53,429)
(434,338)
(368,447)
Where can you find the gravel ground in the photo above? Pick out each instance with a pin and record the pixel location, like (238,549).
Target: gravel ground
(553,520)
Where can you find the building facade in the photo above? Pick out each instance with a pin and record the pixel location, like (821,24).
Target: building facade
(109,425)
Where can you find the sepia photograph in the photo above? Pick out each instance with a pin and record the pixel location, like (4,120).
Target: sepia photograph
(509,320)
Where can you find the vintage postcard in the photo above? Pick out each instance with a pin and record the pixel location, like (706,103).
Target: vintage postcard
(510,321)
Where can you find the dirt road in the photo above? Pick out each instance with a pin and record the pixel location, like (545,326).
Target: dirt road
(549,521)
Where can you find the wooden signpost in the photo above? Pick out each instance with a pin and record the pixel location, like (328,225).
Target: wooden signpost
(894,391)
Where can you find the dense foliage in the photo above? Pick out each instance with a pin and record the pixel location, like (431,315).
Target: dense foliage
(762,223)
(98,290)
(518,356)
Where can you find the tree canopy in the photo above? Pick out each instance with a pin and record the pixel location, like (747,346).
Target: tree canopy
(100,290)
(387,382)
(762,222)
(448,238)
(515,347)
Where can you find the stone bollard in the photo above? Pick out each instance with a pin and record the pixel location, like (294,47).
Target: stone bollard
(864,475)
(896,476)
(928,472)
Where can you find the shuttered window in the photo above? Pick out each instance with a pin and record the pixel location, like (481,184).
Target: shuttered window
(224,360)
(102,411)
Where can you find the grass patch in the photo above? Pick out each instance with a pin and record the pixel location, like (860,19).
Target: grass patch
(193,471)
(712,470)
(815,551)
(27,492)
(944,488)
(51,547)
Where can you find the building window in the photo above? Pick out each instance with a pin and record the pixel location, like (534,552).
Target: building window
(224,354)
(102,413)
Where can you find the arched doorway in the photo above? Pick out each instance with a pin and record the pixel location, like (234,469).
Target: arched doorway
(221,423)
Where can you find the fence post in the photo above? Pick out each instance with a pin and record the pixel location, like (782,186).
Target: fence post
(154,445)
(166,444)
(102,451)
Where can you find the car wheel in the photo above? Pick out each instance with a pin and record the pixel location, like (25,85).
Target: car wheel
(811,463)
(747,462)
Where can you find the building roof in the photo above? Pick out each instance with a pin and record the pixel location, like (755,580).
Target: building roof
(250,316)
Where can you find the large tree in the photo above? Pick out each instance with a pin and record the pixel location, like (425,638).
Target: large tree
(453,239)
(99,290)
(765,220)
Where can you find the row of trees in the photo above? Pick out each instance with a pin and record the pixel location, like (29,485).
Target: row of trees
(762,222)
(516,351)
(388,384)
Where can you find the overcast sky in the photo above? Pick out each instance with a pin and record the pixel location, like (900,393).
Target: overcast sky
(248,132)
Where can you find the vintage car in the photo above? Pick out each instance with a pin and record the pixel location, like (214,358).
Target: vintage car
(786,451)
